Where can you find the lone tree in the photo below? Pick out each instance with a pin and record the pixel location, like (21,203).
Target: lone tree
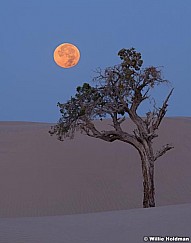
(118,93)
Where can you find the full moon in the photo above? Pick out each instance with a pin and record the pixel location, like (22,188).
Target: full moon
(66,55)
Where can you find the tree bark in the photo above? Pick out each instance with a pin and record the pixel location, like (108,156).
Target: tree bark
(148,177)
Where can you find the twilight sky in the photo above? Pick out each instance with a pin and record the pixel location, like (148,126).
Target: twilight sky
(30,30)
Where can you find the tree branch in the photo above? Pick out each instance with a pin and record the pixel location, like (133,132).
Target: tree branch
(116,123)
(161,112)
(162,151)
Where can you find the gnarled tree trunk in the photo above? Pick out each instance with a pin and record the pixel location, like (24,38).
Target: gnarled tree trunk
(148,176)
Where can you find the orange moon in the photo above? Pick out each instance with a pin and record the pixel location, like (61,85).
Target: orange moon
(66,55)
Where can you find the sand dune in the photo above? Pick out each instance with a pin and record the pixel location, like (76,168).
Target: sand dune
(105,227)
(40,176)
(88,190)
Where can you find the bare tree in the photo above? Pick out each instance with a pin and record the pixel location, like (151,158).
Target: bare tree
(118,93)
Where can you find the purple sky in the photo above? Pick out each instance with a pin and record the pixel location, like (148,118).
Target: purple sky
(32,84)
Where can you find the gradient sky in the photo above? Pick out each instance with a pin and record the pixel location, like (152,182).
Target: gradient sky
(31,82)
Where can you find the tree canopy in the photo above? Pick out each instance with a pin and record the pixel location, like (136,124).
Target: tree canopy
(118,92)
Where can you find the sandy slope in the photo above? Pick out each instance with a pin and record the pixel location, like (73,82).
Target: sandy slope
(106,227)
(40,176)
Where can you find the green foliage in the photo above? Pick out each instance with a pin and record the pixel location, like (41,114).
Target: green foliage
(130,59)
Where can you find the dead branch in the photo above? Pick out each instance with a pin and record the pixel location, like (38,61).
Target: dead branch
(162,112)
(162,151)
